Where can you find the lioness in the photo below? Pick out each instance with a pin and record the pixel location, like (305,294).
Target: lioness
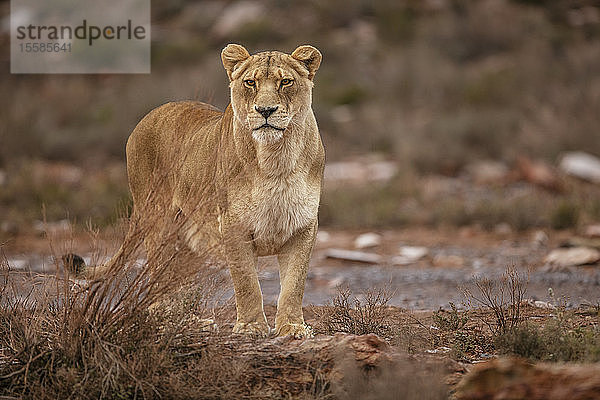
(262,160)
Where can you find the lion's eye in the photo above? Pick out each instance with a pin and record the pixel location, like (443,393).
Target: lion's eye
(286,82)
(250,82)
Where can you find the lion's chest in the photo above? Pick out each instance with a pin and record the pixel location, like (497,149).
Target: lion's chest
(279,208)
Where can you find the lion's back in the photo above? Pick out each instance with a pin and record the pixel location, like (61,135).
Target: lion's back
(159,142)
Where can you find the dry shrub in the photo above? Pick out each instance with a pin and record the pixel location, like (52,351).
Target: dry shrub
(355,316)
(502,297)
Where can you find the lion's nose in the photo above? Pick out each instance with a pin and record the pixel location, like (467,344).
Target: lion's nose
(266,111)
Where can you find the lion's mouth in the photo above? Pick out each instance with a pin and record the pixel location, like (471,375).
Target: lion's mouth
(266,125)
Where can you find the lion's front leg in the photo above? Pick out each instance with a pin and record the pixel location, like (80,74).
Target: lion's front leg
(293,267)
(251,317)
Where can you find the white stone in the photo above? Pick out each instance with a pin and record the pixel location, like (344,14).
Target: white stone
(410,255)
(367,240)
(582,165)
(323,236)
(573,256)
(18,263)
(543,304)
(441,349)
(351,255)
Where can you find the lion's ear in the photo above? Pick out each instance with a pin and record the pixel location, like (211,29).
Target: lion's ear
(231,55)
(310,57)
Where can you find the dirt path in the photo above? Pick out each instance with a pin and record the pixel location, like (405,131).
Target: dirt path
(453,259)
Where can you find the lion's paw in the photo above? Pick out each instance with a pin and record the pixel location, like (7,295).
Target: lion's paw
(257,329)
(298,331)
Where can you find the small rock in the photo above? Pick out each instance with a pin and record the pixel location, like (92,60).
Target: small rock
(573,256)
(410,255)
(441,349)
(351,255)
(487,171)
(442,260)
(382,171)
(18,263)
(367,240)
(323,236)
(543,304)
(512,378)
(581,165)
(2,177)
(592,231)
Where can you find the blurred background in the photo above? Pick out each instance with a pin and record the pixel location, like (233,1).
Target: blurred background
(433,113)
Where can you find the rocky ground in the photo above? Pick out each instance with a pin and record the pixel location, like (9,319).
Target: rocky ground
(418,272)
(424,269)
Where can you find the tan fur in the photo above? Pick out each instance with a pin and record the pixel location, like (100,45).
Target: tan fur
(264,184)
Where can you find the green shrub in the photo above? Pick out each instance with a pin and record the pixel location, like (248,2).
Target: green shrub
(556,341)
(451,320)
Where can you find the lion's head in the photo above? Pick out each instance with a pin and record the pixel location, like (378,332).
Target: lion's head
(270,91)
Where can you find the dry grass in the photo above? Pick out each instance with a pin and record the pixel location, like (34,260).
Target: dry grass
(127,333)
(60,339)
